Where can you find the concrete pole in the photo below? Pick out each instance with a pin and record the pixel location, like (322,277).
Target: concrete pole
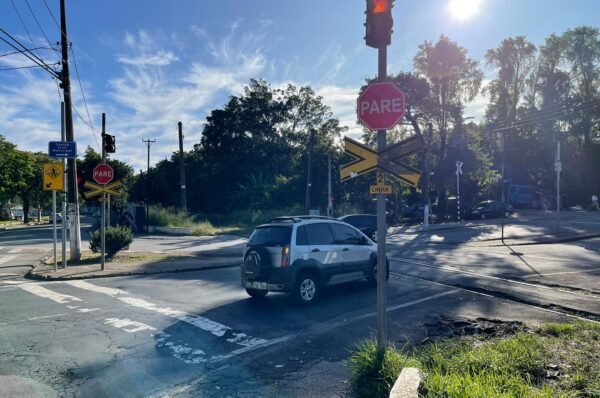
(63,194)
(182,169)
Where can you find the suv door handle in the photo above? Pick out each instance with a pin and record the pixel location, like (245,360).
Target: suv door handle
(345,249)
(315,250)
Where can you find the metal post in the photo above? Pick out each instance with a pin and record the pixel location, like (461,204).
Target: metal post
(108,210)
(381,227)
(309,173)
(329,198)
(63,195)
(148,143)
(182,168)
(103,203)
(558,168)
(54,229)
(426,187)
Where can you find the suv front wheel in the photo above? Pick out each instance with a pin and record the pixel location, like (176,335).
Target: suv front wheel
(307,288)
(256,293)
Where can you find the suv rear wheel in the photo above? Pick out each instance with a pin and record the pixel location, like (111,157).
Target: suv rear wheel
(307,288)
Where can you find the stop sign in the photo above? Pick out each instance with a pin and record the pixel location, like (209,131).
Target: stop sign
(381,106)
(103,174)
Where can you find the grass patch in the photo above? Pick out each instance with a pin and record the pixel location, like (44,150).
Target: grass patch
(556,360)
(89,258)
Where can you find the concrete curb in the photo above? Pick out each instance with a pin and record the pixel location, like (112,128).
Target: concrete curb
(33,276)
(407,384)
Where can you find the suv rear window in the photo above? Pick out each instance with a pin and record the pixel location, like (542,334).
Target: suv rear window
(271,236)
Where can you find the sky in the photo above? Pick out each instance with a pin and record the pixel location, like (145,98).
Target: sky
(149,64)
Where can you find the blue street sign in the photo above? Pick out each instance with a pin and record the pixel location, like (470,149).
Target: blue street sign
(62,149)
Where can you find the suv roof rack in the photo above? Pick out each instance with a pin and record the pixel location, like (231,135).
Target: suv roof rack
(299,218)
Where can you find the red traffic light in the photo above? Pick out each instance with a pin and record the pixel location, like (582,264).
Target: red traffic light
(379,23)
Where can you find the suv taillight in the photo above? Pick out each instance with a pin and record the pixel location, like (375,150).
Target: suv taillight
(285,256)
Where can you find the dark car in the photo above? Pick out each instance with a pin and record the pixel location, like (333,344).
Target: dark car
(366,223)
(490,209)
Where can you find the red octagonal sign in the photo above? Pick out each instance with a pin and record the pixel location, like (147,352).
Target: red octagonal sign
(103,174)
(381,106)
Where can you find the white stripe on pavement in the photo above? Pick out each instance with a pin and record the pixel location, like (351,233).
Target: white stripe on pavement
(200,322)
(14,251)
(49,294)
(5,259)
(128,325)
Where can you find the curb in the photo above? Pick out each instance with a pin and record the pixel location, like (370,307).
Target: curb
(491,240)
(407,384)
(33,276)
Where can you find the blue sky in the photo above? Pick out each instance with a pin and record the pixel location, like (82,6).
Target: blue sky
(149,64)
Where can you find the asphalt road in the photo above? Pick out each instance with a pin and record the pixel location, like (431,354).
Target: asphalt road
(198,334)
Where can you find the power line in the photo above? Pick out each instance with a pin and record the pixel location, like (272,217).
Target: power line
(26,50)
(23,23)
(29,54)
(38,24)
(25,67)
(52,15)
(83,96)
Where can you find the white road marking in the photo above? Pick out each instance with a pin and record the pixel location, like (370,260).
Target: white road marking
(88,309)
(563,273)
(12,282)
(128,325)
(6,259)
(200,322)
(16,250)
(182,352)
(49,294)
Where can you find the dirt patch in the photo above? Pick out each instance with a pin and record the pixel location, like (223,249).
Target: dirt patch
(447,328)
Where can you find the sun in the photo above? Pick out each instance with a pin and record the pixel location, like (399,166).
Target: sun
(463,9)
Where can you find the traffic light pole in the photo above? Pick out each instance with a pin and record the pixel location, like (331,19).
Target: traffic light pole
(103,202)
(381,227)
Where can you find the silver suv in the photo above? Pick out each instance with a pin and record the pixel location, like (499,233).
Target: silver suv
(302,254)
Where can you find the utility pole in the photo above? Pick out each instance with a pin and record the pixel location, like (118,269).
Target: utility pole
(75,232)
(329,198)
(182,168)
(103,202)
(502,165)
(63,195)
(309,172)
(148,143)
(458,173)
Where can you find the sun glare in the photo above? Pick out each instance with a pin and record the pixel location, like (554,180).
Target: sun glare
(463,9)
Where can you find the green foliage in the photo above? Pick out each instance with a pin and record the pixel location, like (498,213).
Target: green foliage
(117,239)
(473,367)
(168,217)
(374,375)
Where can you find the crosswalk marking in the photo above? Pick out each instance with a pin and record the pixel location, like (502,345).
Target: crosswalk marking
(5,259)
(49,294)
(128,325)
(16,250)
(200,322)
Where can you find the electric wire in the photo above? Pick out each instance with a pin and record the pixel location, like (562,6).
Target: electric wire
(24,67)
(26,50)
(37,60)
(23,23)
(84,100)
(52,15)
(39,25)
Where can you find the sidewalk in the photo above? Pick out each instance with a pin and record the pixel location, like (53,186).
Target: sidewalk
(44,270)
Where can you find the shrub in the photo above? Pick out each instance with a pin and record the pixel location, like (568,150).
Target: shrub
(117,238)
(168,217)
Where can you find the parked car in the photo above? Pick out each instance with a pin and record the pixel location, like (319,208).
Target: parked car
(490,209)
(302,254)
(366,223)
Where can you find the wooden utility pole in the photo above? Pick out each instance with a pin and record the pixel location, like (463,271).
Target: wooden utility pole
(73,195)
(148,143)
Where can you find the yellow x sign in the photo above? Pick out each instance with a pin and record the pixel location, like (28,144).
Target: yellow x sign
(100,189)
(365,159)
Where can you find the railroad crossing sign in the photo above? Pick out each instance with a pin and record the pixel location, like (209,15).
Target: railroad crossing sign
(381,106)
(103,174)
(389,160)
(100,189)
(53,176)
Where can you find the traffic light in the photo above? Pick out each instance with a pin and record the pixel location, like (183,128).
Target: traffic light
(379,23)
(109,143)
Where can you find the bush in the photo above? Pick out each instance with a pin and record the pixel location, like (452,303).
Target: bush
(168,217)
(117,238)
